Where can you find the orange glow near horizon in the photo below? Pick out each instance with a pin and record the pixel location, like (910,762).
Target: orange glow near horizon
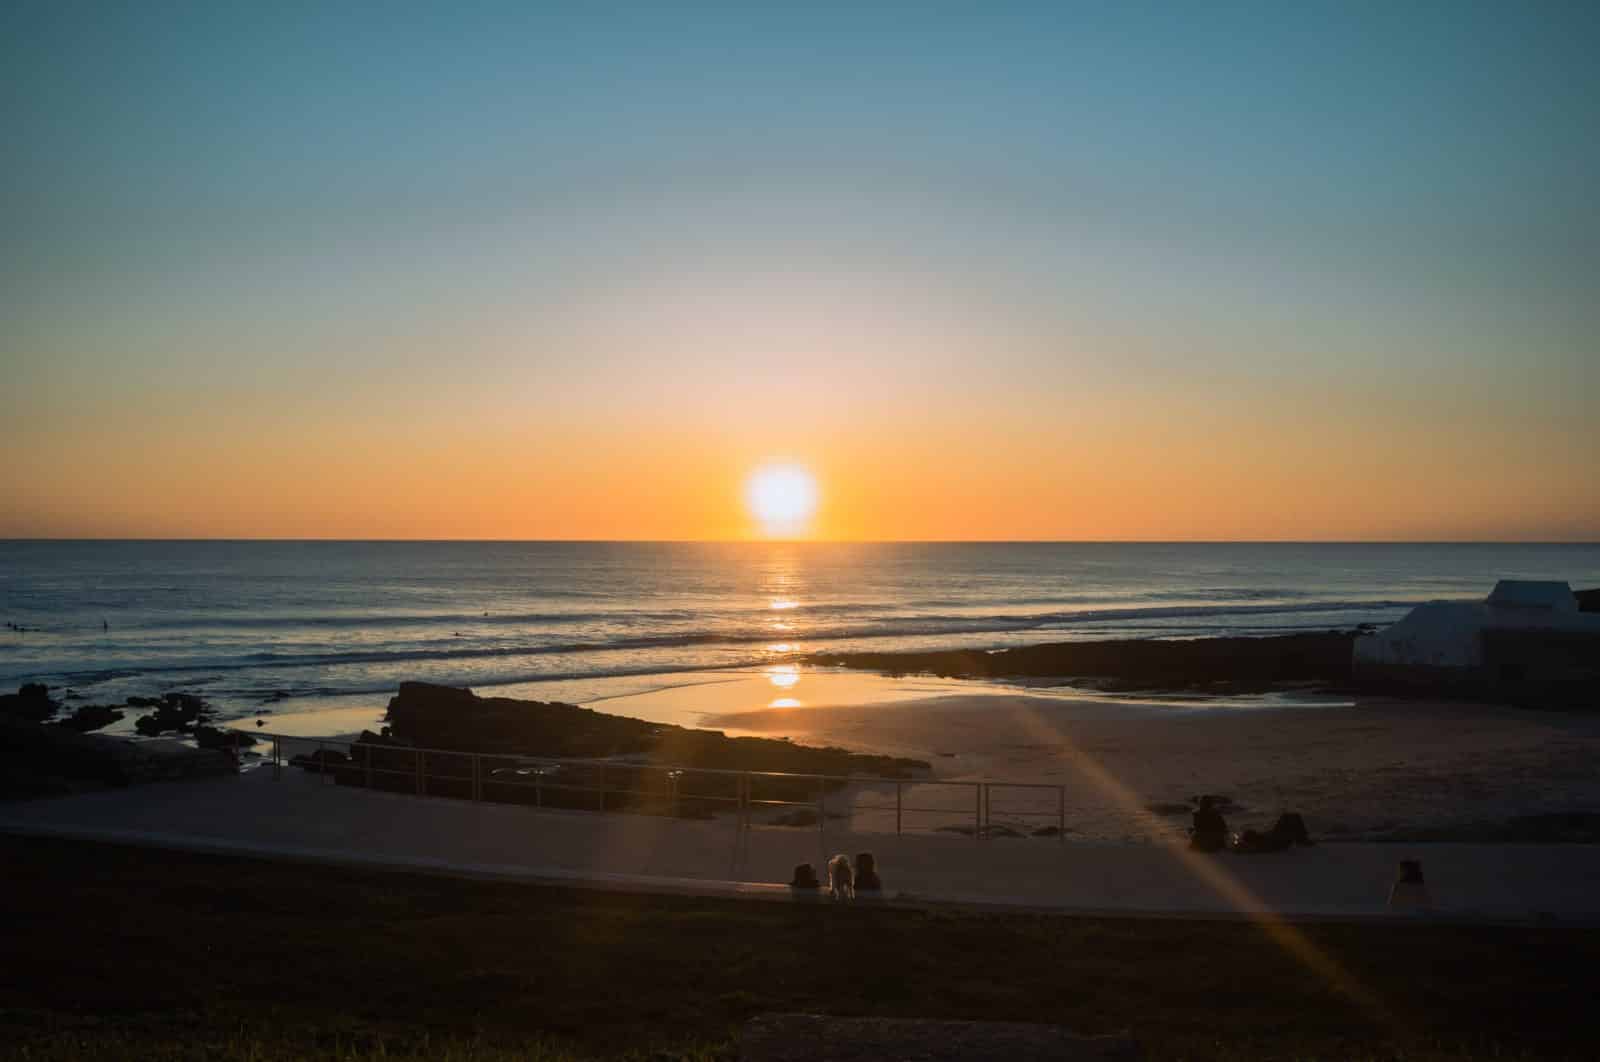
(1246,466)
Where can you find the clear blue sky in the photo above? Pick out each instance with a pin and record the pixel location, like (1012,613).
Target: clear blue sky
(1385,213)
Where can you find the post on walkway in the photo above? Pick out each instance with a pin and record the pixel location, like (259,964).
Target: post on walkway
(277,758)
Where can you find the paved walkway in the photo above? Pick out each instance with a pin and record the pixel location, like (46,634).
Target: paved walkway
(300,816)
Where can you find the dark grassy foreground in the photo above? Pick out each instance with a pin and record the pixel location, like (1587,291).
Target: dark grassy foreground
(114,952)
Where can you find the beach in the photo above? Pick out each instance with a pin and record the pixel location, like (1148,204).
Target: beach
(1357,768)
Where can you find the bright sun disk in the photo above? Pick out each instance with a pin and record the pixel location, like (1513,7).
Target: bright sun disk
(782,496)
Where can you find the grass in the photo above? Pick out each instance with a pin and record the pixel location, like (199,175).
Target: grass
(112,952)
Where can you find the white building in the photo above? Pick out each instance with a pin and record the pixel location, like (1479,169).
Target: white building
(1523,631)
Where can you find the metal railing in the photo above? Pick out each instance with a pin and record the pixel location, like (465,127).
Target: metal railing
(625,785)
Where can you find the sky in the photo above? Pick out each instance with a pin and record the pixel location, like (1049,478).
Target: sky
(998,271)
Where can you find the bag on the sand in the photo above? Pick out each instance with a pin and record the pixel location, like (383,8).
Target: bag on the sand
(1251,841)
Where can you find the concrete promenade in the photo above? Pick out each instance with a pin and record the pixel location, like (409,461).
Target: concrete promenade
(300,817)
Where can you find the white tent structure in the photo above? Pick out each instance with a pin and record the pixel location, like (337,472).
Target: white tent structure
(1450,640)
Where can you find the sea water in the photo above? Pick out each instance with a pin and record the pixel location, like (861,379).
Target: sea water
(243,623)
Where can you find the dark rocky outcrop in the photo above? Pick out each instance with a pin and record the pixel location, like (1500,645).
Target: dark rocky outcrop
(443,717)
(321,761)
(1201,663)
(177,712)
(38,759)
(210,737)
(91,717)
(450,742)
(31,702)
(1588,600)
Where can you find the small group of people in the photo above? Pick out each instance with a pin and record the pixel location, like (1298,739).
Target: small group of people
(845,880)
(1210,832)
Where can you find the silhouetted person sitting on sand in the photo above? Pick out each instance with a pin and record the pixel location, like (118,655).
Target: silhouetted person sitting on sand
(805,877)
(1210,832)
(1409,893)
(867,879)
(1289,830)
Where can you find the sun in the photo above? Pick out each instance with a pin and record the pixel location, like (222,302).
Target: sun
(781,495)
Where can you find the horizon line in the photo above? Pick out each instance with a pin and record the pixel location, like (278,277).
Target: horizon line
(836,541)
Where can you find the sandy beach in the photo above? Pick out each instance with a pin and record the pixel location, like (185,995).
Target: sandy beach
(1355,768)
(1362,769)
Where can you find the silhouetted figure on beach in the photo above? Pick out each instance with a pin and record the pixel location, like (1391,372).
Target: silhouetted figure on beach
(805,877)
(867,879)
(1410,892)
(1210,832)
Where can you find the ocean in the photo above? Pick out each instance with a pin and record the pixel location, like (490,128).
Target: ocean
(246,623)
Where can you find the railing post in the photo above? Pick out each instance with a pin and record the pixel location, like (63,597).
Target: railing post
(277,759)
(899,805)
(1061,813)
